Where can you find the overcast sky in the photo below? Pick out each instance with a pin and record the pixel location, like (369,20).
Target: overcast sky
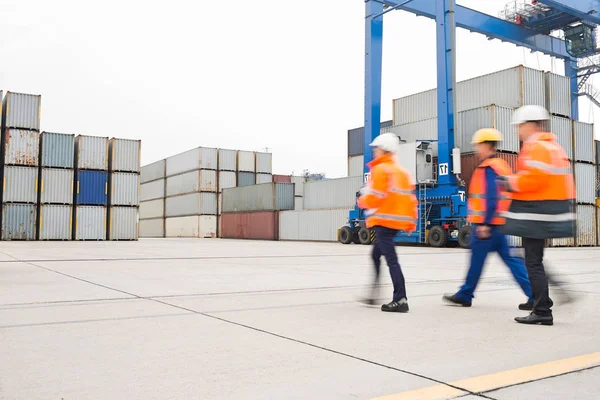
(233,74)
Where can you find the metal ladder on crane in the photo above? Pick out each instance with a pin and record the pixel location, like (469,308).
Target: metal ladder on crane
(591,93)
(423,211)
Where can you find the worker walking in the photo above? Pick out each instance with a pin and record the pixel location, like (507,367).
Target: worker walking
(542,195)
(486,202)
(391,206)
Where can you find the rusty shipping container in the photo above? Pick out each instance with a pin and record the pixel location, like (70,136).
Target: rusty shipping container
(282,178)
(253,225)
(469,163)
(21,110)
(22,147)
(18,221)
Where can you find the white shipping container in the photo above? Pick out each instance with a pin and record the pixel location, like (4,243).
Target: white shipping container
(123,223)
(90,223)
(91,152)
(22,110)
(219,204)
(585,183)
(584,141)
(586,225)
(199,158)
(125,189)
(56,222)
(152,190)
(198,226)
(20,184)
(514,241)
(356,166)
(264,163)
(317,225)
(125,155)
(264,178)
(227,160)
(562,242)
(332,193)
(191,204)
(558,94)
(56,186)
(152,228)
(470,121)
(562,128)
(298,203)
(22,147)
(298,182)
(227,179)
(246,161)
(191,182)
(152,172)
(152,209)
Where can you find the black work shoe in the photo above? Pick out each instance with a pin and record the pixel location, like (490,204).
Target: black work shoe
(533,319)
(526,306)
(451,298)
(396,306)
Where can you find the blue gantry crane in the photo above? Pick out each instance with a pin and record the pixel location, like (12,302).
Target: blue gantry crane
(526,23)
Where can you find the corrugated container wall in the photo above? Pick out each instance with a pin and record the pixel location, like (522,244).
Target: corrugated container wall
(152,209)
(468,122)
(191,204)
(298,203)
(18,221)
(152,190)
(264,163)
(227,160)
(227,179)
(356,165)
(597,143)
(299,182)
(264,178)
(56,186)
(251,225)
(246,179)
(90,223)
(332,193)
(57,150)
(585,183)
(318,225)
(92,152)
(198,226)
(56,222)
(586,225)
(562,128)
(152,172)
(190,182)
(265,197)
(92,188)
(356,139)
(246,161)
(469,163)
(125,189)
(584,141)
(20,184)
(22,110)
(282,178)
(123,223)
(152,228)
(199,158)
(22,147)
(125,155)
(558,94)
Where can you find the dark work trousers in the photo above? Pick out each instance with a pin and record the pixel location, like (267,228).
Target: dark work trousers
(385,246)
(534,256)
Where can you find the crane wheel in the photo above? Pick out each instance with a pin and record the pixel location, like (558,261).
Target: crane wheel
(364,236)
(438,237)
(346,235)
(464,237)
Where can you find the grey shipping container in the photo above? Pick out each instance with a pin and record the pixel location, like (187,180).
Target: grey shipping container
(246,161)
(317,225)
(227,160)
(468,122)
(125,189)
(152,172)
(586,225)
(91,152)
(584,141)
(152,228)
(22,110)
(22,147)
(190,182)
(90,223)
(332,193)
(56,222)
(264,178)
(356,138)
(20,184)
(558,94)
(562,128)
(125,155)
(265,197)
(298,182)
(246,179)
(152,209)
(18,221)
(57,150)
(123,223)
(191,204)
(356,165)
(227,179)
(152,190)
(198,158)
(585,181)
(56,186)
(264,163)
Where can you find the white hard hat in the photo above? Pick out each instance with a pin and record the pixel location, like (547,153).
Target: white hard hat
(530,113)
(387,142)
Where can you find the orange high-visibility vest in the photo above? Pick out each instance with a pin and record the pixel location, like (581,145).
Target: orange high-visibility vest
(478,192)
(390,196)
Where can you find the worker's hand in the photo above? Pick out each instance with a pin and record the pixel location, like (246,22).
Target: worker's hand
(501,181)
(484,232)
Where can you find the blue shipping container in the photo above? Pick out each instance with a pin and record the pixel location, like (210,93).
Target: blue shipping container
(92,188)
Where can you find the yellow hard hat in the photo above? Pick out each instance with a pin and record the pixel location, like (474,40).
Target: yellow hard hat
(486,135)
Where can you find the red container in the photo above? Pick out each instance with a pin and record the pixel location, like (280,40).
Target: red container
(282,178)
(469,162)
(253,225)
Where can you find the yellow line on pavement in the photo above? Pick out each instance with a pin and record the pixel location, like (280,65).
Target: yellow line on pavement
(499,380)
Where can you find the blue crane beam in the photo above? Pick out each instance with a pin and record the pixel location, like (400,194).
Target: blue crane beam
(585,10)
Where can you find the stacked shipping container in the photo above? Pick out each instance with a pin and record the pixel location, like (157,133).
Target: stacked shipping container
(152,200)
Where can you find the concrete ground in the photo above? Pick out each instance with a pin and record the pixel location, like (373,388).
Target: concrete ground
(215,319)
